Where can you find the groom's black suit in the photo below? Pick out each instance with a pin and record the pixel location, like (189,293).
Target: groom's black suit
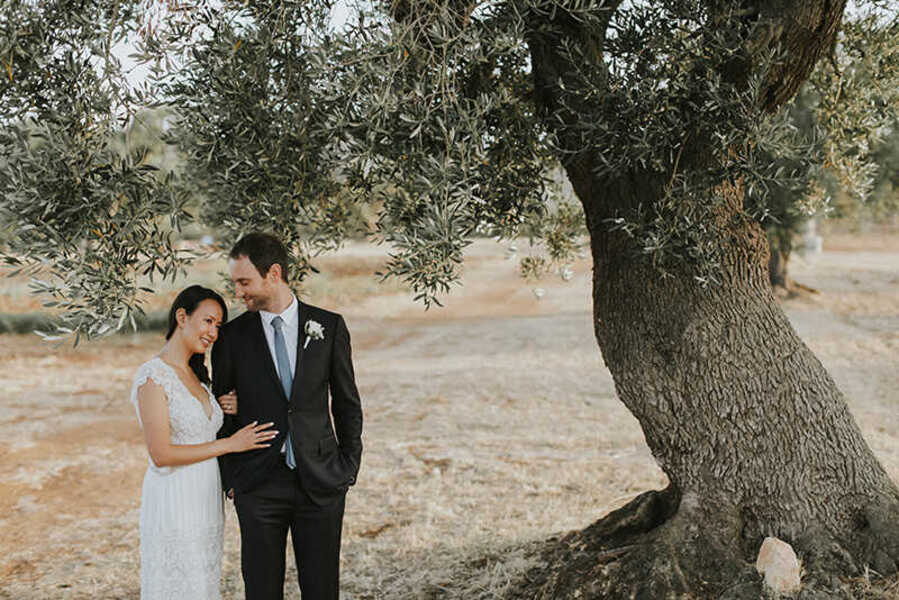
(269,497)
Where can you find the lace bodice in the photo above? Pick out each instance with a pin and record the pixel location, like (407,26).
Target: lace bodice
(187,419)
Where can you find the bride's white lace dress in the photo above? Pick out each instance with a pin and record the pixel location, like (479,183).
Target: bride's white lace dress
(181,513)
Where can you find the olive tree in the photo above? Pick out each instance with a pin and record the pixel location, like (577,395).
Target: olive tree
(668,119)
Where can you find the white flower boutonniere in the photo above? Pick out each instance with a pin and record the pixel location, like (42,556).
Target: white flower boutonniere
(314,331)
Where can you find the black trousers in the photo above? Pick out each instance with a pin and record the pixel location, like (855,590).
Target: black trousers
(265,514)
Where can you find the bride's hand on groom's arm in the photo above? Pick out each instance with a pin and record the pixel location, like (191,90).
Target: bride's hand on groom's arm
(228,402)
(252,437)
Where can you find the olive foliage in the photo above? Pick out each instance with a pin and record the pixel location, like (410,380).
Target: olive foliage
(428,112)
(81,216)
(848,109)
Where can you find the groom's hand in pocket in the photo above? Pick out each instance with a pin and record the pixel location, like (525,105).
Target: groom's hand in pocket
(228,402)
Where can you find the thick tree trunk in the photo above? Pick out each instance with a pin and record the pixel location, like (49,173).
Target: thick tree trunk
(750,429)
(729,397)
(752,432)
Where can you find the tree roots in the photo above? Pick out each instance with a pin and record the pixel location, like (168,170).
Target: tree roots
(663,545)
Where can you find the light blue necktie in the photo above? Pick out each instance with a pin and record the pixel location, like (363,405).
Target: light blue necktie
(286,380)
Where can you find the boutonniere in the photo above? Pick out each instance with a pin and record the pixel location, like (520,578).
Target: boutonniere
(314,331)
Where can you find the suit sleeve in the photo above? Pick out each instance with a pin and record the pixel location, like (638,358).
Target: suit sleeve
(345,404)
(223,381)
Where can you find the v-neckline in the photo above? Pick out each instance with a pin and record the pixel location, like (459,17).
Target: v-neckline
(190,393)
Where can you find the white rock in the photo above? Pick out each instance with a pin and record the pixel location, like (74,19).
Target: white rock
(780,566)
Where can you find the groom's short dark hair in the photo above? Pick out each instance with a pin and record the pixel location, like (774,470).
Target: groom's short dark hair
(263,250)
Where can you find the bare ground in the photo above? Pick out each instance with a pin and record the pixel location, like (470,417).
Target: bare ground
(490,425)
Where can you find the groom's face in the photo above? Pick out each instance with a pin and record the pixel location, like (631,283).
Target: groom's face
(253,289)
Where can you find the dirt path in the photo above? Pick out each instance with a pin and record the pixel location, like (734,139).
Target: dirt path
(488,423)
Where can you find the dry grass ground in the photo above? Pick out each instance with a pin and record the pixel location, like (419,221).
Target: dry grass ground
(490,424)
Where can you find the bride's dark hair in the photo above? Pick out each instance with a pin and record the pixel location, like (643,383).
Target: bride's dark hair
(189,299)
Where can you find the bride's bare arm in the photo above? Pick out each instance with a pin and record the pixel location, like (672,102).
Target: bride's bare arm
(154,415)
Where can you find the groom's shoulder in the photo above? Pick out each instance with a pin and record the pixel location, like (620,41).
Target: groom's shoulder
(240,322)
(317,313)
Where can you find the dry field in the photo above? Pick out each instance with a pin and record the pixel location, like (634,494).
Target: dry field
(490,424)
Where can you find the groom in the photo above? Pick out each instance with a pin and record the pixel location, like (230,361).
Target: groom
(282,358)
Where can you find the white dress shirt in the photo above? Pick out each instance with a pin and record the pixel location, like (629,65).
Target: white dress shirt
(290,328)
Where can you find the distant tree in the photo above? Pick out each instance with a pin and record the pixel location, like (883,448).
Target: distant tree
(883,202)
(847,111)
(667,118)
(786,207)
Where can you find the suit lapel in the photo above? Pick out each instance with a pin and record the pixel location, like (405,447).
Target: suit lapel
(262,350)
(302,315)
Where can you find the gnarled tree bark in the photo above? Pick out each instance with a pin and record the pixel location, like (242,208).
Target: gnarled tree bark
(751,431)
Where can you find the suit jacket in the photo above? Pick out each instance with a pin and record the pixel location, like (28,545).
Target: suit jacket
(241,360)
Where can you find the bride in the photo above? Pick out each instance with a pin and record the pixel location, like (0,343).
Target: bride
(181,516)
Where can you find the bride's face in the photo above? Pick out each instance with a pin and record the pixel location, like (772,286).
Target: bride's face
(200,329)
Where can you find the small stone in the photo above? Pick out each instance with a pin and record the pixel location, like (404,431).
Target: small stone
(780,566)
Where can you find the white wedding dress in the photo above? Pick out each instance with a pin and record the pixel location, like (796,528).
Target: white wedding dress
(181,512)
